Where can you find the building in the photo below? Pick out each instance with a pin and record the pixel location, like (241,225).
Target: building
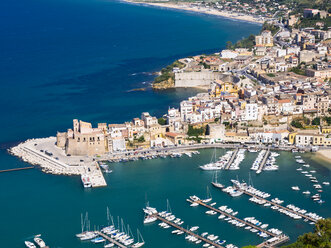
(265,39)
(83,139)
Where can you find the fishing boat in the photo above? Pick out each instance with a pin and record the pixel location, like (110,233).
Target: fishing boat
(215,182)
(86,181)
(29,244)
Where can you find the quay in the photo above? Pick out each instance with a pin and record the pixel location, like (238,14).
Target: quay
(17,169)
(264,160)
(273,242)
(186,231)
(231,159)
(233,217)
(115,242)
(277,205)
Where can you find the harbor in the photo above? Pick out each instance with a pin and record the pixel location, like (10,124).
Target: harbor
(249,223)
(231,159)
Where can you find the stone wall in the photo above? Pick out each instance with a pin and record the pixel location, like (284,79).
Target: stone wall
(203,78)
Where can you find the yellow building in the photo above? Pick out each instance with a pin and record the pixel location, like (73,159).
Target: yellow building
(225,87)
(326,129)
(291,138)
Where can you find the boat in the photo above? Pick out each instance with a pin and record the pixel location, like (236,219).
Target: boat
(209,197)
(86,181)
(215,182)
(98,240)
(29,244)
(149,219)
(39,241)
(306,192)
(140,241)
(296,188)
(108,245)
(326,183)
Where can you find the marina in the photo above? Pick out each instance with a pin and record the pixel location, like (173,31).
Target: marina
(231,159)
(194,237)
(260,198)
(244,223)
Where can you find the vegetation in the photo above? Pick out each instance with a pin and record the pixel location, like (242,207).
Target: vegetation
(316,121)
(141,138)
(298,70)
(296,124)
(167,72)
(327,120)
(248,42)
(162,121)
(271,75)
(194,133)
(274,29)
(321,237)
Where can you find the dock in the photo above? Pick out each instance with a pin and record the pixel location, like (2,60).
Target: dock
(273,242)
(212,243)
(17,169)
(234,218)
(231,159)
(264,160)
(115,242)
(278,205)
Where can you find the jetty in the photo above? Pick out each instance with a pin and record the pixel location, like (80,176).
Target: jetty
(277,205)
(17,169)
(233,217)
(231,159)
(264,160)
(273,242)
(170,223)
(115,242)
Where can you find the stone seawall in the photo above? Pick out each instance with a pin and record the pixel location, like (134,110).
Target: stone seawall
(203,78)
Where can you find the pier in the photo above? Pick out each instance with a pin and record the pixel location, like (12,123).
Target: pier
(231,159)
(264,160)
(277,205)
(115,242)
(273,242)
(187,231)
(234,218)
(17,169)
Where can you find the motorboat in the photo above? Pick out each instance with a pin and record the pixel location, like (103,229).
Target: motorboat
(29,244)
(39,241)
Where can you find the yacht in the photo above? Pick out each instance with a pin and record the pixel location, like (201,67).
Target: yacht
(326,183)
(215,182)
(29,244)
(306,192)
(39,242)
(108,245)
(98,240)
(149,219)
(296,188)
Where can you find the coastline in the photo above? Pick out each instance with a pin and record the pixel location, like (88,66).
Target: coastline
(324,155)
(186,7)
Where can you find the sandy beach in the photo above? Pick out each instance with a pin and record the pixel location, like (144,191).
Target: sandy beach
(324,155)
(203,10)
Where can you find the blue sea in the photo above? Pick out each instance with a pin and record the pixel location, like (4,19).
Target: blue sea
(79,59)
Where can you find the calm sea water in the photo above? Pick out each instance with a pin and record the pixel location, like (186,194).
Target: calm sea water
(77,59)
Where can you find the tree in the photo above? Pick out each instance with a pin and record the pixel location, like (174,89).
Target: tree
(141,138)
(296,123)
(316,121)
(229,45)
(162,121)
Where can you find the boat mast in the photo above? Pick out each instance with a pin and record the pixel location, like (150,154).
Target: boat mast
(168,207)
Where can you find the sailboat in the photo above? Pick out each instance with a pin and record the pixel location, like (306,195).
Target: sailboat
(140,242)
(209,197)
(215,183)
(213,165)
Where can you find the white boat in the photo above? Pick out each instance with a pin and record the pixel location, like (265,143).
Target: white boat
(209,197)
(108,245)
(140,242)
(215,182)
(86,181)
(306,192)
(296,188)
(149,219)
(29,244)
(39,242)
(326,183)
